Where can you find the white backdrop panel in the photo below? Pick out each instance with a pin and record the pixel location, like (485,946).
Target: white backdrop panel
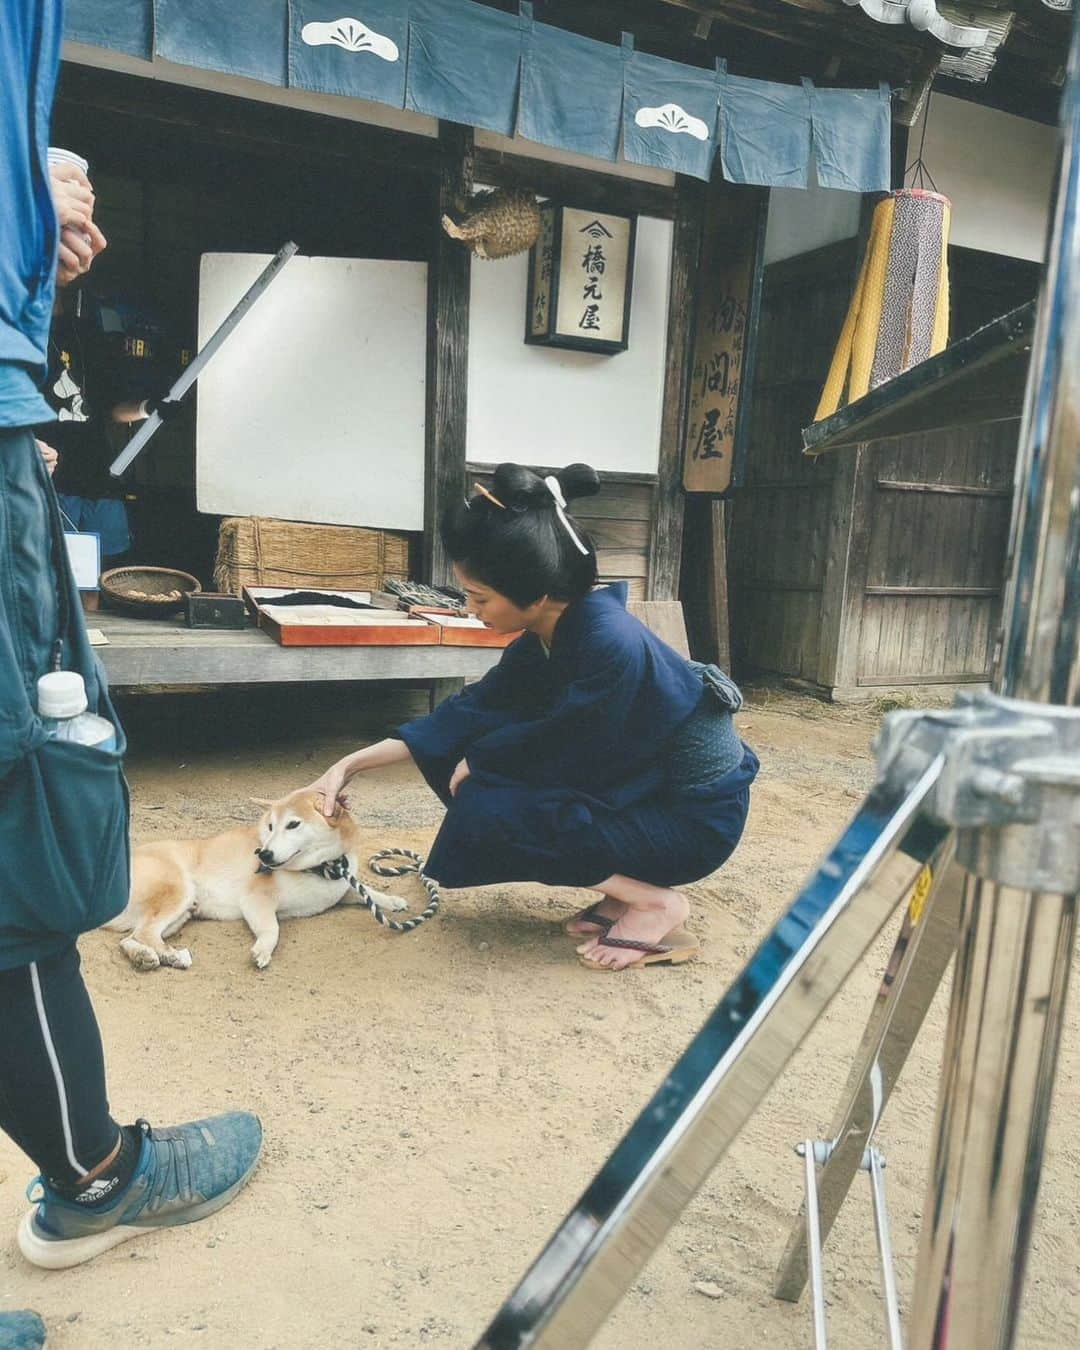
(542,405)
(314,408)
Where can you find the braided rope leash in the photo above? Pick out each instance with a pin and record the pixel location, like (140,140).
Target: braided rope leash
(340,869)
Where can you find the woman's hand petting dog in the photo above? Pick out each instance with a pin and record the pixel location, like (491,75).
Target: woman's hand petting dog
(330,787)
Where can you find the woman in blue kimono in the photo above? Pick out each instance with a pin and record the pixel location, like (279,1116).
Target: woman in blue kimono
(592,755)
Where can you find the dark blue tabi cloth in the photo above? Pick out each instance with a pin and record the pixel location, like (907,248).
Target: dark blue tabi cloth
(567,759)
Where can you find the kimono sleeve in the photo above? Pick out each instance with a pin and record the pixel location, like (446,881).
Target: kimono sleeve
(591,735)
(493,702)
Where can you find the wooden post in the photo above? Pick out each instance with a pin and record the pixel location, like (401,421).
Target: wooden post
(703,585)
(447,351)
(846,556)
(665,553)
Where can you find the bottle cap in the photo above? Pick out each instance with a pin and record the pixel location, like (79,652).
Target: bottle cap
(61,693)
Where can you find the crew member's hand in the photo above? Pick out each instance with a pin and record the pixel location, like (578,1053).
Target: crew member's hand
(49,455)
(72,194)
(458,776)
(79,246)
(166,408)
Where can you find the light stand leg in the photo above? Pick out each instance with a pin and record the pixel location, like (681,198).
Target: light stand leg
(916,968)
(1001,1049)
(625,1213)
(1018,835)
(813,1247)
(885,1251)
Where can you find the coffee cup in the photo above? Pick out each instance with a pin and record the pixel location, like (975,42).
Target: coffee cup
(58,156)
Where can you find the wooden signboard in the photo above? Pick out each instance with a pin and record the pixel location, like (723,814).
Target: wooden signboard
(728,304)
(581,273)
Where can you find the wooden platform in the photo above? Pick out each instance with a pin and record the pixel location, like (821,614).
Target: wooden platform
(144,654)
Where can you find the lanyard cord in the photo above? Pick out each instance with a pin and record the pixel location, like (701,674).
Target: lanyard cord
(59,560)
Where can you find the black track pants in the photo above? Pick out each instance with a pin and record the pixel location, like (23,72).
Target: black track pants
(52,1070)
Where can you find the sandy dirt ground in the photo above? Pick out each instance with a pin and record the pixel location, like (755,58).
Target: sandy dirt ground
(434,1103)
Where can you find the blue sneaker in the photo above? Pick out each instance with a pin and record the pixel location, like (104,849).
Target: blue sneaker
(183,1174)
(21,1331)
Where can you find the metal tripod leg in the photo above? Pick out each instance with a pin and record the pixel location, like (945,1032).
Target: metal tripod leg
(1000,1053)
(732,1062)
(918,963)
(1017,834)
(816,1153)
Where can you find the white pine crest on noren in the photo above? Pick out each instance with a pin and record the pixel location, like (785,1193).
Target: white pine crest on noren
(352,36)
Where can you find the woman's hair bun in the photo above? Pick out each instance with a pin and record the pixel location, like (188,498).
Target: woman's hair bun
(519,488)
(578,480)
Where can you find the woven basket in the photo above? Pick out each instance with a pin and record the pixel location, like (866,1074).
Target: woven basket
(146,592)
(254,551)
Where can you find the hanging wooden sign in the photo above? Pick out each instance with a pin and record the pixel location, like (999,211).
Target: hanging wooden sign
(581,271)
(725,332)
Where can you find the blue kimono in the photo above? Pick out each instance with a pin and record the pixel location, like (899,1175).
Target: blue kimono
(569,762)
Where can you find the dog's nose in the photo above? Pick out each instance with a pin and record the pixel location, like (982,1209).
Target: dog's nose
(265,855)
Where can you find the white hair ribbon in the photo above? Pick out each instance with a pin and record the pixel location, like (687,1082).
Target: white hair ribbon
(552,485)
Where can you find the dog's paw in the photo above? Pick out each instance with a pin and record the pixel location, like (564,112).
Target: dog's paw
(391,904)
(261,957)
(140,956)
(177,957)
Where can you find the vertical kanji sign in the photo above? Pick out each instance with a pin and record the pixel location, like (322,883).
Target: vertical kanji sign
(728,300)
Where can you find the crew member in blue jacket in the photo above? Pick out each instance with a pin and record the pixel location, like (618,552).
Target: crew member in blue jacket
(63,806)
(592,755)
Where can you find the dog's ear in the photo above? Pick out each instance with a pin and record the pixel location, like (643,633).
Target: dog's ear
(261,801)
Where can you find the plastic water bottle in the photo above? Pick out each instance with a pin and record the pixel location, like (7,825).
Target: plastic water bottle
(62,707)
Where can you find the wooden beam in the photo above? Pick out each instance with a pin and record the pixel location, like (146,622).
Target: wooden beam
(824,28)
(224,121)
(665,556)
(447,352)
(576,187)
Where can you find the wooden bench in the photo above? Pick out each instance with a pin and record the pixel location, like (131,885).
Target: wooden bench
(151,654)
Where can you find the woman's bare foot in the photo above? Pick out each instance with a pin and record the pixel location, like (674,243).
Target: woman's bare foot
(651,922)
(609,908)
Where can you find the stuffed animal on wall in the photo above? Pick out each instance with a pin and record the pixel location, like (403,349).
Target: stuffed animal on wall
(498,223)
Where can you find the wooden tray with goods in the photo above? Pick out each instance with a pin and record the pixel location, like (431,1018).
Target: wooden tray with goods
(317,617)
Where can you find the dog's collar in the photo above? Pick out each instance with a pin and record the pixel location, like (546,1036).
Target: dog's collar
(337,869)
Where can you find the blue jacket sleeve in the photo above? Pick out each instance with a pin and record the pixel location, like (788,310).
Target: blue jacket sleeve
(492,702)
(591,736)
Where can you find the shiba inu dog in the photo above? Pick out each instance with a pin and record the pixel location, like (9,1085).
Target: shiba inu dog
(260,873)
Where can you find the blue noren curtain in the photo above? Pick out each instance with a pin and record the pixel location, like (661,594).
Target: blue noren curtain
(358,50)
(237,37)
(669,115)
(852,137)
(764,132)
(464,63)
(571,92)
(121,25)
